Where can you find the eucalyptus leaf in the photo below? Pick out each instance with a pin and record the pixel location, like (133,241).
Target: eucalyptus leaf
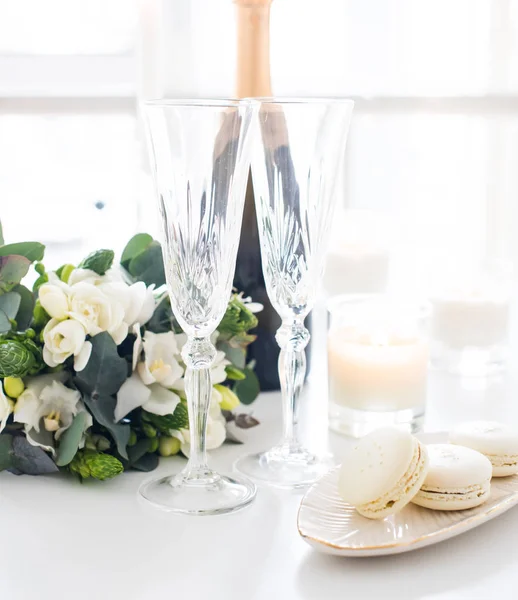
(237,356)
(9,304)
(148,266)
(148,462)
(162,320)
(24,315)
(136,452)
(69,442)
(248,389)
(102,406)
(12,270)
(5,324)
(6,447)
(29,459)
(32,251)
(105,371)
(134,247)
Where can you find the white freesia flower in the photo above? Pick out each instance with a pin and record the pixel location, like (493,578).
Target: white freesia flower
(89,276)
(63,339)
(217,369)
(54,299)
(5,408)
(141,303)
(154,398)
(47,408)
(160,364)
(137,346)
(97,311)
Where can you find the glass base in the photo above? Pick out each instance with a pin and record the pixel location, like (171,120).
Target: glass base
(285,467)
(357,423)
(206,493)
(470,361)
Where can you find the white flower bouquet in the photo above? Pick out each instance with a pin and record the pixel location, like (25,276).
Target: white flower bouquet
(91,372)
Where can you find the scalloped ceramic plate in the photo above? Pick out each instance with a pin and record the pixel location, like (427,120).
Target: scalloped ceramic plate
(330,525)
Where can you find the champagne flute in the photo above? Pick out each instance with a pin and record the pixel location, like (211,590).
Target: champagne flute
(295,169)
(200,155)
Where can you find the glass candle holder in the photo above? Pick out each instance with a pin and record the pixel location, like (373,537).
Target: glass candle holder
(470,319)
(359,255)
(377,363)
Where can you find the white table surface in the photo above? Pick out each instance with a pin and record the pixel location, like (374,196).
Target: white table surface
(60,539)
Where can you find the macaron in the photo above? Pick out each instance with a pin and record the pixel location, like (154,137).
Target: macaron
(383,472)
(497,441)
(458,478)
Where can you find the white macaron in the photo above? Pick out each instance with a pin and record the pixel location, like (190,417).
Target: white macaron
(383,472)
(497,441)
(458,478)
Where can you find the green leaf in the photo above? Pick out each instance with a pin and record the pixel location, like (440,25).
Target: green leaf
(148,266)
(102,377)
(102,407)
(12,270)
(29,459)
(105,371)
(6,447)
(248,389)
(24,314)
(99,261)
(1,235)
(234,373)
(237,356)
(148,462)
(134,247)
(9,304)
(163,319)
(69,442)
(32,251)
(178,420)
(137,451)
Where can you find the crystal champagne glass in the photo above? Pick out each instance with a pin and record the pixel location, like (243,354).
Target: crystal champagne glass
(295,169)
(200,155)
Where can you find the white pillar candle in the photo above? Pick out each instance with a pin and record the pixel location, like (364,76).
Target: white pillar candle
(356,269)
(383,371)
(470,317)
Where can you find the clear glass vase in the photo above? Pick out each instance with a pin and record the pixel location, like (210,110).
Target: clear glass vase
(200,155)
(295,170)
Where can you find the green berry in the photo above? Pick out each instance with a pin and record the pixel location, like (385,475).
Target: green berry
(13,386)
(169,446)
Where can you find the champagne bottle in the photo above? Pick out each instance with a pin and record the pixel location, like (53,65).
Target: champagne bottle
(253,80)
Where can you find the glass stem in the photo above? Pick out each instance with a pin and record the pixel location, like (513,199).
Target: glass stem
(292,338)
(198,354)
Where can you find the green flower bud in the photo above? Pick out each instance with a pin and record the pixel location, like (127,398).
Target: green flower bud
(40,316)
(149,430)
(103,466)
(15,359)
(101,443)
(169,446)
(237,318)
(99,261)
(229,399)
(132,438)
(153,444)
(66,271)
(13,386)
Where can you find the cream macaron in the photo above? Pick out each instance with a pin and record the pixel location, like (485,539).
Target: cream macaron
(458,478)
(383,472)
(497,441)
